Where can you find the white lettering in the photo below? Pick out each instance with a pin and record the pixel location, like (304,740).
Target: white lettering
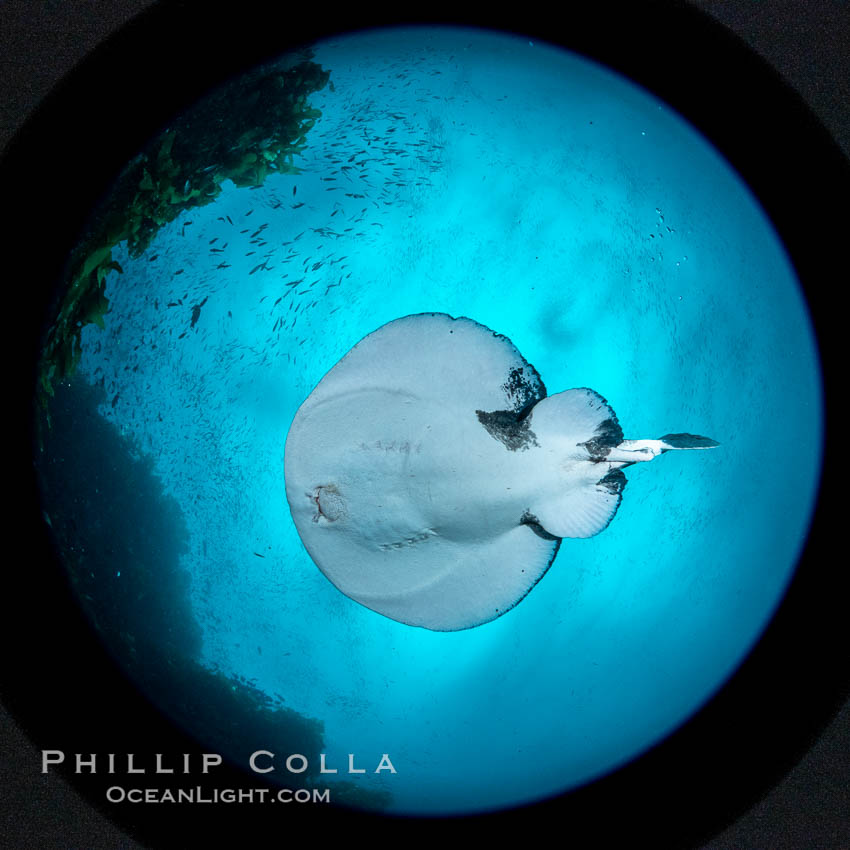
(131,769)
(51,757)
(211,760)
(385,764)
(304,795)
(91,762)
(292,769)
(253,761)
(323,768)
(351,767)
(160,768)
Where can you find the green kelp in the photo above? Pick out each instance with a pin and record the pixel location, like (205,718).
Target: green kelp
(249,128)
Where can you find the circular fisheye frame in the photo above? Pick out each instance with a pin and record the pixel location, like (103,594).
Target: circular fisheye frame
(325,504)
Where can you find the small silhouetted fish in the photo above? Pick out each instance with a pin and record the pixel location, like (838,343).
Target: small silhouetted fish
(179,271)
(228,219)
(151,259)
(115,400)
(182,335)
(196,311)
(248,213)
(259,555)
(294,189)
(299,204)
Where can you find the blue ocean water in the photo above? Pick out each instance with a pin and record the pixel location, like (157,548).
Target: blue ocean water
(482,175)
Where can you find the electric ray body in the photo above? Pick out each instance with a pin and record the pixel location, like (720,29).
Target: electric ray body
(431,478)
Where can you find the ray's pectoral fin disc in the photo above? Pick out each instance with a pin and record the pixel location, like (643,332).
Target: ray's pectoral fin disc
(431,479)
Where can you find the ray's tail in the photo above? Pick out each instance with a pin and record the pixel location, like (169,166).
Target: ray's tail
(635,451)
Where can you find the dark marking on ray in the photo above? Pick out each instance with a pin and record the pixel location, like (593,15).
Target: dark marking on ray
(614,482)
(523,388)
(608,434)
(508,428)
(533,523)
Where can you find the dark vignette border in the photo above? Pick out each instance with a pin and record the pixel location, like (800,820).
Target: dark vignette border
(65,157)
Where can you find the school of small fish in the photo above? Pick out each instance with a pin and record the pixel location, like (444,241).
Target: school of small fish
(225,295)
